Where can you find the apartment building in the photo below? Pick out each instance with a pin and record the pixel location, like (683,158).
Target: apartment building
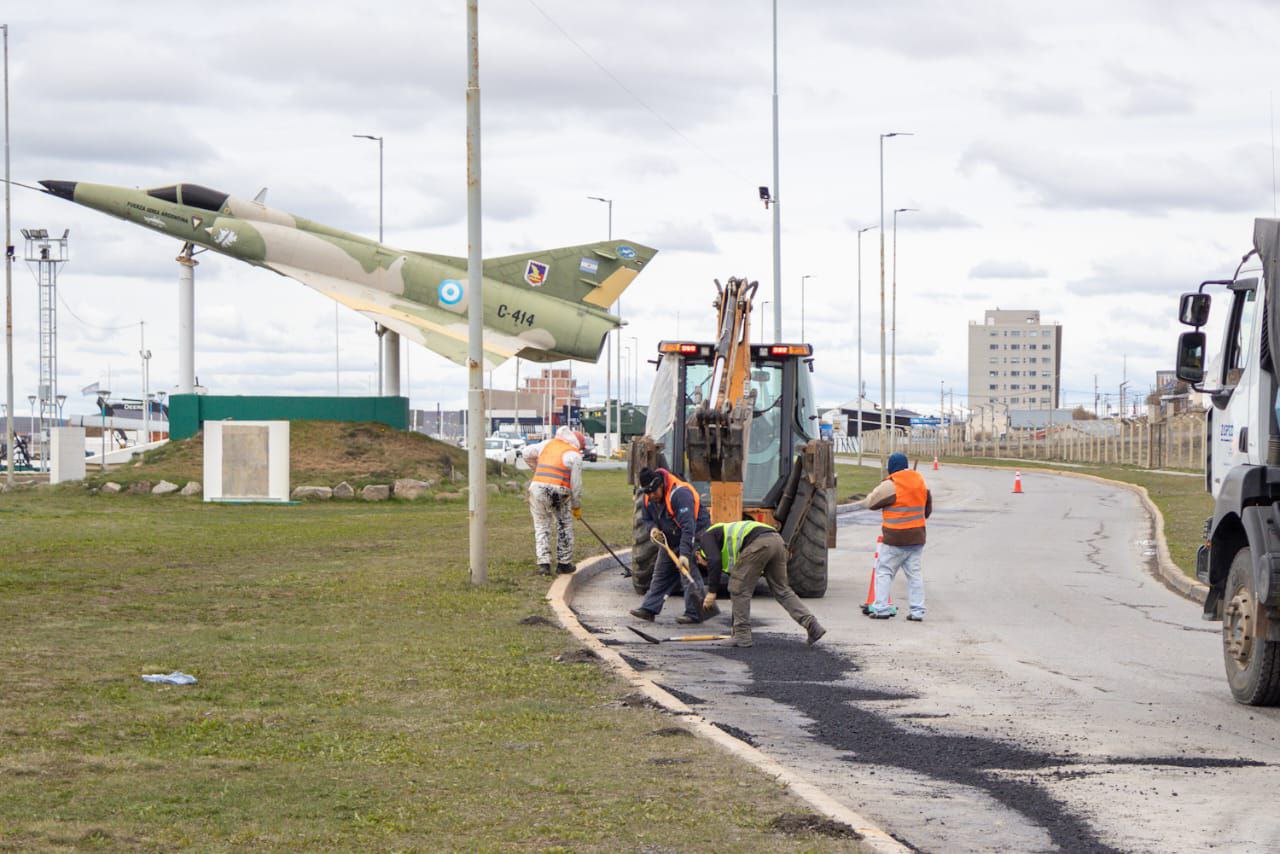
(1014,360)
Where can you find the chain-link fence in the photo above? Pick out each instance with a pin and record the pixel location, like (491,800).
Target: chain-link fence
(1172,442)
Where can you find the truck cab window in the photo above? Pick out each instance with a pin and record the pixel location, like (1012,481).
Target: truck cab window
(1239,336)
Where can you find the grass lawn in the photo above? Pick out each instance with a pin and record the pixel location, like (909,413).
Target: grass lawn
(1182,500)
(355,691)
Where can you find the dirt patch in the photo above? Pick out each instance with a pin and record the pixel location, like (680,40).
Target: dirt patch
(801,824)
(672,732)
(536,620)
(578,656)
(739,734)
(638,701)
(326,453)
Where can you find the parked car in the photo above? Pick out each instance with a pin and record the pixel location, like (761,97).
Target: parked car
(517,441)
(501,450)
(589,453)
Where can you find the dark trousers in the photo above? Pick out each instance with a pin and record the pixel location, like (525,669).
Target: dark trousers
(666,580)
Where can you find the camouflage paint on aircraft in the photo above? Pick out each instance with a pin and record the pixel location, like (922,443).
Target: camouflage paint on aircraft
(538,305)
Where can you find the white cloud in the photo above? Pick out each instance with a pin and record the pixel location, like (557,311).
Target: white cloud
(1011,269)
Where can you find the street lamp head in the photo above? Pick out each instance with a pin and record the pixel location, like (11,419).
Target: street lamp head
(600,199)
(868,228)
(904,210)
(366,136)
(896,133)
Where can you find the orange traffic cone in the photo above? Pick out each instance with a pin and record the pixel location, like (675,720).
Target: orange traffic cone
(871,590)
(1017,482)
(935,462)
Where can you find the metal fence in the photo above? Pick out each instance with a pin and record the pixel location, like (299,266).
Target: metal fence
(1173,442)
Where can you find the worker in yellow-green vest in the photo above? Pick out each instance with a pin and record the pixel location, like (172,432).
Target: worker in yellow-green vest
(745,551)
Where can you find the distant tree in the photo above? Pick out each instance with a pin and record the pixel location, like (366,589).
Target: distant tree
(1082,414)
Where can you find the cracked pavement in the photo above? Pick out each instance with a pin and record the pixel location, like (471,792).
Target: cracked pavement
(1057,697)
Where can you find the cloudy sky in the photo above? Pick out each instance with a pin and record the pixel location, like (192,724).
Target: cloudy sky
(1090,160)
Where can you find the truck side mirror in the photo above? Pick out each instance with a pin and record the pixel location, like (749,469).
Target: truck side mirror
(1190,364)
(1194,309)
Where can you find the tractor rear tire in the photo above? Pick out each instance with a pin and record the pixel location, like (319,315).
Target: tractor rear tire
(644,551)
(807,568)
(1252,661)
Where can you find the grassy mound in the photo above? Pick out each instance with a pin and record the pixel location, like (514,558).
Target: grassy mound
(324,453)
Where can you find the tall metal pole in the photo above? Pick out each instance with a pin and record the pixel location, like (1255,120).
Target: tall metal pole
(883,401)
(186,320)
(893,328)
(8,279)
(478,498)
(777,194)
(608,364)
(859,428)
(802,281)
(883,412)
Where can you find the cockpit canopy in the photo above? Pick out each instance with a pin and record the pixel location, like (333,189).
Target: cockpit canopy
(191,195)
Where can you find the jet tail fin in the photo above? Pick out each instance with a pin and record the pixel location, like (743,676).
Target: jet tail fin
(592,273)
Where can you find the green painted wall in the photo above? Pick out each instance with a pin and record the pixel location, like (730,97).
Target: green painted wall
(187,412)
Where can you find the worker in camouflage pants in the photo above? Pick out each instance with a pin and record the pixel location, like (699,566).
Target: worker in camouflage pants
(555,496)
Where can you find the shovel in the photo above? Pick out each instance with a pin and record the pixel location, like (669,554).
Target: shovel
(661,539)
(679,638)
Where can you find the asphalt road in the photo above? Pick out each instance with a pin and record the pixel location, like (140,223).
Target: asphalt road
(1057,696)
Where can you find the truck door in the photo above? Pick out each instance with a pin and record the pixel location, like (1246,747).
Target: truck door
(1239,430)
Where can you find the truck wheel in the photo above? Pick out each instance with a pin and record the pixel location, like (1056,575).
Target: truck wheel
(807,568)
(1252,661)
(644,551)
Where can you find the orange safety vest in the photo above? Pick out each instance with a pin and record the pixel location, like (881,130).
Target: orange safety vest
(674,483)
(907,510)
(551,468)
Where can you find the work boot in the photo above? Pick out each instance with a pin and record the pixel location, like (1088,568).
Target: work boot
(815,630)
(915,618)
(887,614)
(739,641)
(686,619)
(544,569)
(565,568)
(642,614)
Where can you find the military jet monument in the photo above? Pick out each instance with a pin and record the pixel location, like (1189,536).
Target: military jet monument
(544,306)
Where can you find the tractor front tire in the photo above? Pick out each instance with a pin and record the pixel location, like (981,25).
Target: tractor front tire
(1252,661)
(807,567)
(644,551)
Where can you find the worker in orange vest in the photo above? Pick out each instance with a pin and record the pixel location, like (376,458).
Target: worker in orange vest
(555,496)
(904,502)
(675,508)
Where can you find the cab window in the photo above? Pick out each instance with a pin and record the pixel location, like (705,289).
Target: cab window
(1240,344)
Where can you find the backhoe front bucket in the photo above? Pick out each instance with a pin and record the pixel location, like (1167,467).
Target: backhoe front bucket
(716,441)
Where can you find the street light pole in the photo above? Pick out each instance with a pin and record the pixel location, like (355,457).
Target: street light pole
(478,497)
(802,281)
(763,303)
(859,431)
(608,366)
(8,279)
(777,194)
(388,340)
(893,323)
(883,382)
(635,366)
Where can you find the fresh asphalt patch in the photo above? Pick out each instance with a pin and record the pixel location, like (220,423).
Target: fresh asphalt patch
(815,682)
(683,696)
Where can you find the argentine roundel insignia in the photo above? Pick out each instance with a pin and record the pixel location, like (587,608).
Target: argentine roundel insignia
(535,273)
(449,292)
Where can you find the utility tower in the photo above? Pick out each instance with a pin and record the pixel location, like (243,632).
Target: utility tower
(47,254)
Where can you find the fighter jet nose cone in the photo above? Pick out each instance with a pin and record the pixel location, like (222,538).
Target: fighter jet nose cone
(61,189)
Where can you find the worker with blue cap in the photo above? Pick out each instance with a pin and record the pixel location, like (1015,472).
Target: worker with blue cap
(905,503)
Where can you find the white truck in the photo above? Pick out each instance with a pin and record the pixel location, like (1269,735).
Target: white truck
(1240,558)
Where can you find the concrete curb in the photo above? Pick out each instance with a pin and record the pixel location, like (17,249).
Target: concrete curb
(560,597)
(1166,570)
